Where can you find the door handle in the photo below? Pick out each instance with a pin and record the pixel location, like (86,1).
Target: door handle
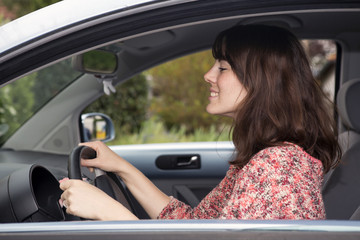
(192,160)
(175,162)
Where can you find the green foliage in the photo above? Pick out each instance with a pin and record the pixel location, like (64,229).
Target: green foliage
(127,107)
(56,77)
(154,131)
(22,7)
(16,103)
(181,94)
(99,61)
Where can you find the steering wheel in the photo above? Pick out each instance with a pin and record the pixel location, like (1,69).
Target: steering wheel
(107,182)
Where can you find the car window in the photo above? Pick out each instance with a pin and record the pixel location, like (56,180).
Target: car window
(164,104)
(322,57)
(21,99)
(167,103)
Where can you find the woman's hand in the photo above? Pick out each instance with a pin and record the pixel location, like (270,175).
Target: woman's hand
(106,159)
(145,192)
(86,201)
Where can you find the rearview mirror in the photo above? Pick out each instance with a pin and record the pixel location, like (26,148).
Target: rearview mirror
(97,127)
(98,61)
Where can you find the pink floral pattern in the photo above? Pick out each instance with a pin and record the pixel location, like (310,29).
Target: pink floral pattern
(282,182)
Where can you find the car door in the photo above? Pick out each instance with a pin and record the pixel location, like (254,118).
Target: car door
(187,171)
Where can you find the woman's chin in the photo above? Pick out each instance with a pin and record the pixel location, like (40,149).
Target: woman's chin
(214,111)
(210,110)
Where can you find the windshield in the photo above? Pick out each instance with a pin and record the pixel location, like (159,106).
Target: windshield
(21,99)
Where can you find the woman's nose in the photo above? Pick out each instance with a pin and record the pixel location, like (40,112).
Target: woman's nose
(209,76)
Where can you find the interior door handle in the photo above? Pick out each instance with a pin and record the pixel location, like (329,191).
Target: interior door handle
(175,162)
(192,160)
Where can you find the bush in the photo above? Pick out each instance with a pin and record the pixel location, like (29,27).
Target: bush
(154,131)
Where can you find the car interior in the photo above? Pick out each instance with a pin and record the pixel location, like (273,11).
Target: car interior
(138,50)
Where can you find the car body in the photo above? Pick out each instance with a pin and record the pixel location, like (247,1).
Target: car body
(150,33)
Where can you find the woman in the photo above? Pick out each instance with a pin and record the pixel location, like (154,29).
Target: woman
(284,137)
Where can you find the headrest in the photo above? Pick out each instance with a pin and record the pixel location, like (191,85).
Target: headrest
(348,101)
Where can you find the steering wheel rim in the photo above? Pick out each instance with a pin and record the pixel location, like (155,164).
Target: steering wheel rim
(111,185)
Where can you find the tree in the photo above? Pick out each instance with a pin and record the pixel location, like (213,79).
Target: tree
(16,103)
(51,80)
(180,93)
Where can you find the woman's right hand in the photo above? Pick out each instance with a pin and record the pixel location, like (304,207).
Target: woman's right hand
(106,159)
(145,192)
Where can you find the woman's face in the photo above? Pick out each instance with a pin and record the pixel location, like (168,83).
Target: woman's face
(226,91)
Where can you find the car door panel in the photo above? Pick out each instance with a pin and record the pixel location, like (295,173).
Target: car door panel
(177,174)
(215,157)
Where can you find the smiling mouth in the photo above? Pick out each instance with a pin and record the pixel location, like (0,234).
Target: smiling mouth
(214,94)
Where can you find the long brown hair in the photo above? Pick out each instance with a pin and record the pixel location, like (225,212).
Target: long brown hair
(284,103)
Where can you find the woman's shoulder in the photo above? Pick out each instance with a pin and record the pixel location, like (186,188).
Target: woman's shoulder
(287,155)
(287,150)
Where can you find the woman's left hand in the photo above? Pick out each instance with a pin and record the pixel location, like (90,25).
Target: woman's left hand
(87,201)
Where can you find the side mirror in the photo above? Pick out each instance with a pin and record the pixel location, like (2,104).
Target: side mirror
(97,127)
(98,62)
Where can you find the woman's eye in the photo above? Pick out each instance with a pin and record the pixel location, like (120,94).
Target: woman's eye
(222,69)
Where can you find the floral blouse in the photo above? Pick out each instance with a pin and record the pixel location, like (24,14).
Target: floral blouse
(282,182)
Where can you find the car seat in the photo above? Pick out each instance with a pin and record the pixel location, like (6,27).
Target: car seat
(341,191)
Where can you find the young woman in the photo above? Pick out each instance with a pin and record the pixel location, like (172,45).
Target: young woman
(284,137)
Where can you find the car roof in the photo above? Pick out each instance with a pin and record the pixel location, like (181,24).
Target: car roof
(63,14)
